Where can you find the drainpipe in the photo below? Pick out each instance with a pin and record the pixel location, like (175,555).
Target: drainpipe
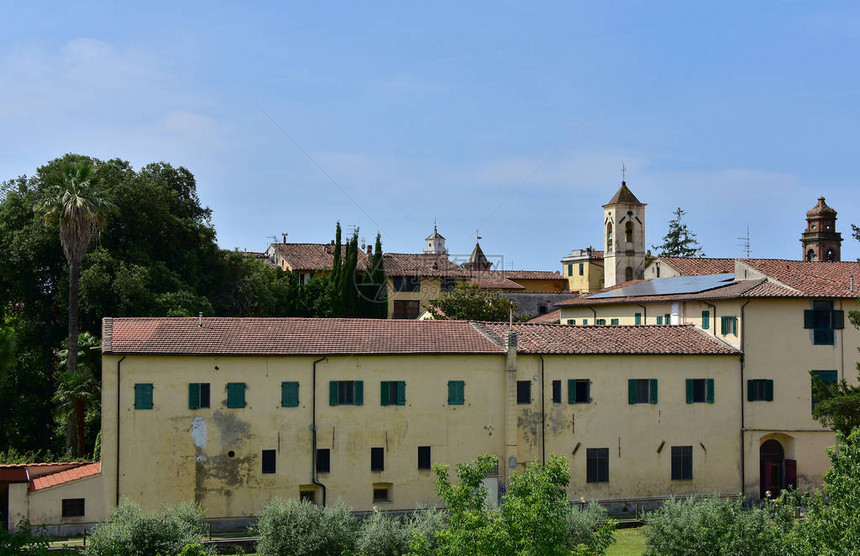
(714,320)
(118,436)
(314,479)
(743,421)
(542,415)
(644,313)
(594,313)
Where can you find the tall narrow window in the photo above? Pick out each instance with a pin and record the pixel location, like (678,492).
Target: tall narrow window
(456,392)
(143,396)
(392,392)
(628,273)
(198,395)
(289,394)
(706,320)
(609,237)
(827,377)
(424,460)
(524,392)
(323,460)
(581,269)
(235,394)
(628,232)
(597,465)
(269,461)
(377,459)
(637,318)
(556,391)
(570,269)
(682,463)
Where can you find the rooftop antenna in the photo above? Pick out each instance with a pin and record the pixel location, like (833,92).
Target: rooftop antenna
(746,242)
(273,238)
(284,237)
(623,173)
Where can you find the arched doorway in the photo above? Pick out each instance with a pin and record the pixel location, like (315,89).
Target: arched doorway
(776,471)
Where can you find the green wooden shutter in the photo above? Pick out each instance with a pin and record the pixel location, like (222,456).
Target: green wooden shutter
(570,269)
(359,392)
(571,391)
(384,390)
(652,390)
(659,320)
(768,390)
(809,318)
(401,392)
(236,395)
(690,390)
(706,320)
(194,395)
(709,390)
(631,390)
(638,317)
(667,319)
(289,394)
(143,396)
(838,318)
(750,391)
(332,392)
(456,392)
(723,325)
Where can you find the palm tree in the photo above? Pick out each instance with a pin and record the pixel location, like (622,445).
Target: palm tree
(76,200)
(78,389)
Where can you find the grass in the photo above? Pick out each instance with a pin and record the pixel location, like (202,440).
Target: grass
(628,542)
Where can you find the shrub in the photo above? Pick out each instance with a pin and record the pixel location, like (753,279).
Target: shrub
(129,531)
(585,530)
(383,535)
(301,527)
(717,526)
(423,525)
(24,540)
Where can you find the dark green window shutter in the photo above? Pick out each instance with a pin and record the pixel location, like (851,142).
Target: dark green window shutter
(689,390)
(838,320)
(709,390)
(384,390)
(289,394)
(723,325)
(194,395)
(571,391)
(456,392)
(143,396)
(235,395)
(809,318)
(332,392)
(359,392)
(659,320)
(706,320)
(667,319)
(750,394)
(401,392)
(638,317)
(768,390)
(652,390)
(570,269)
(631,390)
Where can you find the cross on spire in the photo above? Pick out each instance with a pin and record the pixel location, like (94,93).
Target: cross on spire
(623,173)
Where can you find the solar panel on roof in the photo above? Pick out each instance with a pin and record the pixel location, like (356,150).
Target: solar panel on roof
(670,286)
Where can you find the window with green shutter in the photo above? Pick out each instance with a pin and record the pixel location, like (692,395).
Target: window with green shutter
(456,392)
(659,320)
(143,396)
(823,320)
(289,394)
(760,390)
(579,390)
(700,390)
(392,392)
(570,269)
(729,325)
(198,395)
(581,268)
(235,394)
(571,321)
(706,320)
(613,322)
(642,390)
(346,392)
(667,319)
(638,318)
(584,322)
(600,322)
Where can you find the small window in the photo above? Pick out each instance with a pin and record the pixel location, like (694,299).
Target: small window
(597,465)
(235,394)
(706,320)
(308,496)
(424,460)
(700,390)
(642,390)
(659,320)
(581,269)
(524,392)
(73,507)
(323,460)
(729,325)
(571,321)
(268,461)
(667,319)
(382,492)
(613,322)
(823,320)
(346,392)
(289,394)
(556,391)
(407,283)
(637,318)
(570,269)
(392,392)
(456,392)
(579,391)
(760,390)
(143,396)
(198,395)
(628,232)
(584,322)
(682,463)
(600,322)
(827,377)
(377,459)
(628,274)
(448,284)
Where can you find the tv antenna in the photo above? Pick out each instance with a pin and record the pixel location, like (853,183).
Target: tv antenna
(745,242)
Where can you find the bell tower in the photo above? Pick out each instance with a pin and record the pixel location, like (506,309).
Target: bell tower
(623,238)
(435,243)
(821,241)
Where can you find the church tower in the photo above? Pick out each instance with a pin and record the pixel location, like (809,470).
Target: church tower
(623,238)
(821,241)
(435,244)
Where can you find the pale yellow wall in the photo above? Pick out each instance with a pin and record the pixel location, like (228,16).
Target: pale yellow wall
(45,506)
(540,286)
(665,271)
(431,290)
(591,279)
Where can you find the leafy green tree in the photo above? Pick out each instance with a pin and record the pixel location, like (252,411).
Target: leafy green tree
(468,302)
(77,201)
(7,349)
(303,528)
(679,241)
(77,390)
(838,405)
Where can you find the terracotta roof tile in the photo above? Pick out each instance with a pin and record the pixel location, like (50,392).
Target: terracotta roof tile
(624,340)
(421,264)
(689,266)
(487,281)
(623,195)
(86,470)
(291,336)
(811,279)
(311,257)
(553,317)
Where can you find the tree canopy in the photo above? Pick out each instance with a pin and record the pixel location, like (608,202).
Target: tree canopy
(679,241)
(468,302)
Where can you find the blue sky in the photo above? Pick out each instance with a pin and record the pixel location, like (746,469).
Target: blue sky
(510,117)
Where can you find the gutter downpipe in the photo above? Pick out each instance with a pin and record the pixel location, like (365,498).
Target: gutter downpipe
(644,313)
(743,421)
(314,478)
(118,436)
(542,415)
(595,316)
